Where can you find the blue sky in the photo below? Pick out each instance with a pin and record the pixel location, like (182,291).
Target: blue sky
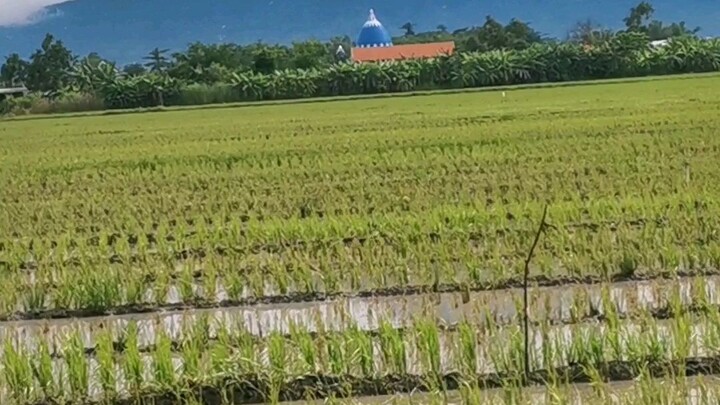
(125,30)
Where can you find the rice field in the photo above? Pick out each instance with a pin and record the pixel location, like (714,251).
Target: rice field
(368,251)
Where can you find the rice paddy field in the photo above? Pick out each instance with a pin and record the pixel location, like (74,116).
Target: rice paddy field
(368,251)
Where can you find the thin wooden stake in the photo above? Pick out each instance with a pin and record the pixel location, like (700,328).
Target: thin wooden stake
(526,276)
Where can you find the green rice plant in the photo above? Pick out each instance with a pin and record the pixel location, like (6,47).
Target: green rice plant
(556,394)
(549,351)
(331,279)
(256,282)
(276,374)
(17,373)
(608,306)
(234,285)
(335,353)
(34,296)
(161,286)
(200,329)
(97,290)
(132,361)
(163,368)
(657,348)
(649,391)
(700,297)
(304,275)
(280,278)
(711,337)
(392,347)
(428,341)
(305,345)
(135,286)
(600,389)
(468,349)
(511,391)
(191,354)
(510,358)
(8,297)
(635,348)
(675,301)
(186,284)
(220,358)
(105,354)
(77,367)
(248,352)
(470,393)
(278,356)
(682,336)
(362,350)
(63,296)
(587,348)
(43,371)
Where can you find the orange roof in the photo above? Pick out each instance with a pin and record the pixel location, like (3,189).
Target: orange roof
(408,51)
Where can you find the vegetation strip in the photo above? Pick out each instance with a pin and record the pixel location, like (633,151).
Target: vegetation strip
(668,312)
(251,389)
(132,241)
(517,283)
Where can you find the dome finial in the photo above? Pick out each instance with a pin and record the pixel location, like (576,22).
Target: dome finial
(372,15)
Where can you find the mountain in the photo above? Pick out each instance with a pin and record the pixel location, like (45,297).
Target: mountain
(126,30)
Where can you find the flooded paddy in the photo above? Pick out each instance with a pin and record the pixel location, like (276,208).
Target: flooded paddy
(560,305)
(556,346)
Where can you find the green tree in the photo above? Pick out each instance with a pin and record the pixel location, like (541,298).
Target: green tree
(656,30)
(409,29)
(267,59)
(442,28)
(50,66)
(156,60)
(310,54)
(638,16)
(134,69)
(588,32)
(493,35)
(14,71)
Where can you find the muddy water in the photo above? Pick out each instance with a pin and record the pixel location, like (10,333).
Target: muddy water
(702,336)
(562,304)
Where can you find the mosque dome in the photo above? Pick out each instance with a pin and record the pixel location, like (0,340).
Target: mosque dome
(373,34)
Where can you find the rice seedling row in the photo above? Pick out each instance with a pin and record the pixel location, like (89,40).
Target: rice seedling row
(569,305)
(644,390)
(115,291)
(354,362)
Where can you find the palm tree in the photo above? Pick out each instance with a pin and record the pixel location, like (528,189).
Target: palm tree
(157,61)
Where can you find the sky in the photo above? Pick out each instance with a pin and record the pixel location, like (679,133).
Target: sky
(126,30)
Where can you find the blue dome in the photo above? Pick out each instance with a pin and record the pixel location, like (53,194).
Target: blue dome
(373,34)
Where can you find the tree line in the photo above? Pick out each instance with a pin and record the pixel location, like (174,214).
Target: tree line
(492,53)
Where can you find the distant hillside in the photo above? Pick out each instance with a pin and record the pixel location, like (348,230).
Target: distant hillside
(127,30)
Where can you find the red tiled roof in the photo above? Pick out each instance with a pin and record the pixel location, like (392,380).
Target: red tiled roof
(409,51)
